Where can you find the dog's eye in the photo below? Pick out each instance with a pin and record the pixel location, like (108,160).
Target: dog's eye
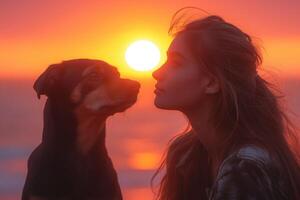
(93,74)
(95,77)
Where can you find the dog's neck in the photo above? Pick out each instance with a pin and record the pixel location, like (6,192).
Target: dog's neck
(59,127)
(90,131)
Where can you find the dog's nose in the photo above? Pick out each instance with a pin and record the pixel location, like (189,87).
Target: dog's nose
(131,84)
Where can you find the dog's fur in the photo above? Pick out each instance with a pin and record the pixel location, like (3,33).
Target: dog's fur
(72,161)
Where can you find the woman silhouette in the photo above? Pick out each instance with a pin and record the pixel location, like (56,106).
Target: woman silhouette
(239,145)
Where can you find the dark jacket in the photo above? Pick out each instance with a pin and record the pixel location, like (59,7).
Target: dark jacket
(250,173)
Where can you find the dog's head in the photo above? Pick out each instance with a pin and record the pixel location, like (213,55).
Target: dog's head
(93,85)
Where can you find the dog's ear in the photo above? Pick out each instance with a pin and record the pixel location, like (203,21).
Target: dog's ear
(47,79)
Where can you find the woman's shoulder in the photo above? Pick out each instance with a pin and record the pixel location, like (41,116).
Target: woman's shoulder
(252,154)
(247,158)
(251,172)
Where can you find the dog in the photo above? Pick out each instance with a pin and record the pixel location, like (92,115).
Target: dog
(72,161)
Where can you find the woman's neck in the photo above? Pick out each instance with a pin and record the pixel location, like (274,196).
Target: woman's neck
(208,137)
(205,131)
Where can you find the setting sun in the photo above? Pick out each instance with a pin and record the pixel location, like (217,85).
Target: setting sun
(144,160)
(142,55)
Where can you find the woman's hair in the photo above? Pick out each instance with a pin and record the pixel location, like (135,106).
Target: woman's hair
(248,110)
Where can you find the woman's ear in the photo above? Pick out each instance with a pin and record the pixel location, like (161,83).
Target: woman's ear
(212,85)
(46,81)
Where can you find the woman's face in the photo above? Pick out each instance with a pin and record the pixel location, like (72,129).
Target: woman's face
(181,84)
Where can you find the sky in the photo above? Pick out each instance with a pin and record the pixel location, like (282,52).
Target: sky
(34,34)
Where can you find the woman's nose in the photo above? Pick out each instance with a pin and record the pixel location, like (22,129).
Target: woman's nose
(157,74)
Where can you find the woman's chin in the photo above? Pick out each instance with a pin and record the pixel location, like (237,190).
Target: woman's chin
(162,105)
(157,103)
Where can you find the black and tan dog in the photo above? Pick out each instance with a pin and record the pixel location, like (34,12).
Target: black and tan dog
(72,161)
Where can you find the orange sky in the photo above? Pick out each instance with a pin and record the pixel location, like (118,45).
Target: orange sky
(34,33)
(37,33)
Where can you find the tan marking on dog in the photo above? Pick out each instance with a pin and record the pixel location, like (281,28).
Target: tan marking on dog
(90,120)
(89,116)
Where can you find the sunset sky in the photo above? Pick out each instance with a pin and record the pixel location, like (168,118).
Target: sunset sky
(34,33)
(37,33)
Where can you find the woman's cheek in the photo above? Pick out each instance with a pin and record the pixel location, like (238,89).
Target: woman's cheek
(166,99)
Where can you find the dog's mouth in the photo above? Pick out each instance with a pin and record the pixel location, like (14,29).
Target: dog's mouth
(124,100)
(118,106)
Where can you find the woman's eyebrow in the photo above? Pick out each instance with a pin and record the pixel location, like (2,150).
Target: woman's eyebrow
(175,54)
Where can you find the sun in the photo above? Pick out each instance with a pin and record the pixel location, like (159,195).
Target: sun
(142,55)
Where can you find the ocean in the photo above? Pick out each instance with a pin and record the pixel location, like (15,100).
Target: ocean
(135,139)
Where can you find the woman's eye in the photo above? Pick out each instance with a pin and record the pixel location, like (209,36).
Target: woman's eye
(174,63)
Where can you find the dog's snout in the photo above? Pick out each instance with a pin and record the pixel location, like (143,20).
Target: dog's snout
(131,84)
(136,85)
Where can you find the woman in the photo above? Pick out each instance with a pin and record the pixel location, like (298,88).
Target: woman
(239,146)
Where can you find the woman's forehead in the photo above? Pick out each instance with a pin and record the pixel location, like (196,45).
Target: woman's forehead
(179,46)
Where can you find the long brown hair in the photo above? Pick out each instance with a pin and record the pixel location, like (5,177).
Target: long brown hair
(249,110)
